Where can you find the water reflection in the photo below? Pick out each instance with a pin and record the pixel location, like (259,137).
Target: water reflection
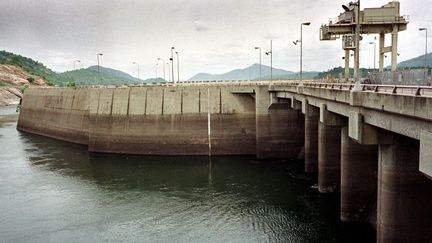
(57,191)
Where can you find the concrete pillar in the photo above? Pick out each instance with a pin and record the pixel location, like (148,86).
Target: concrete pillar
(394,47)
(359,164)
(347,62)
(262,100)
(262,104)
(404,194)
(328,158)
(279,128)
(311,138)
(329,148)
(381,51)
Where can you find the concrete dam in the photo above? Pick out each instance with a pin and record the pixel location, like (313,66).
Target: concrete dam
(373,146)
(166,120)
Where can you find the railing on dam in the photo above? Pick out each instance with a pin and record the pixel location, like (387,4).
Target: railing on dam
(413,90)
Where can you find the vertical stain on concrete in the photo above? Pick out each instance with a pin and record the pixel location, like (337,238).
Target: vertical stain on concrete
(220,101)
(112,103)
(181,102)
(163,101)
(128,102)
(199,101)
(145,105)
(209,122)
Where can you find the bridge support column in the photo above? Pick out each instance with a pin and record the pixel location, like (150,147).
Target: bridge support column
(381,51)
(279,128)
(347,63)
(311,138)
(394,53)
(404,194)
(329,148)
(359,165)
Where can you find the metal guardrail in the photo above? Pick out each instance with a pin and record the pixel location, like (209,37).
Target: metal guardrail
(411,77)
(384,19)
(407,90)
(424,91)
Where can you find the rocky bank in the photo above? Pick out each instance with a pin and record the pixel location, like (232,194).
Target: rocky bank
(13,80)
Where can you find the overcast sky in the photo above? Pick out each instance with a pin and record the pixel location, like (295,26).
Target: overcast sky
(212,36)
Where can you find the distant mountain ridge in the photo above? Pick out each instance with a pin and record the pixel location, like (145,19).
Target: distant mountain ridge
(90,75)
(104,76)
(417,62)
(252,73)
(113,72)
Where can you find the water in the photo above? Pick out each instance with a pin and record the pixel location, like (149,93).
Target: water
(52,191)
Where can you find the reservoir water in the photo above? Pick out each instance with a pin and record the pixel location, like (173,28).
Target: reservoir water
(52,191)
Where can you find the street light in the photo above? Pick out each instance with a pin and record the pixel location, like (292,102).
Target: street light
(172,64)
(301,49)
(163,64)
(178,67)
(259,48)
(74,63)
(357,85)
(138,68)
(99,54)
(270,53)
(374,43)
(425,58)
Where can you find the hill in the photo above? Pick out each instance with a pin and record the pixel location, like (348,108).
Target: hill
(87,76)
(339,72)
(252,73)
(417,62)
(30,66)
(90,75)
(114,72)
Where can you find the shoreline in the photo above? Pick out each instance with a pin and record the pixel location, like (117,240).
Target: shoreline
(9,96)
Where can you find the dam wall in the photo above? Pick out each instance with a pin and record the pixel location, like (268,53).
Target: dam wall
(165,120)
(60,113)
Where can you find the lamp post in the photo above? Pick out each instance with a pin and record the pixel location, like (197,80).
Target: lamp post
(357,86)
(163,65)
(270,53)
(138,68)
(172,64)
(99,54)
(259,48)
(374,43)
(74,63)
(301,49)
(426,41)
(178,67)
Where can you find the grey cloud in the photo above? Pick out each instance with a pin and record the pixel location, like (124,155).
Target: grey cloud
(201,26)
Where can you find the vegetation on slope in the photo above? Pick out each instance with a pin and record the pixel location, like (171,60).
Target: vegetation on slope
(31,66)
(90,76)
(87,76)
(339,72)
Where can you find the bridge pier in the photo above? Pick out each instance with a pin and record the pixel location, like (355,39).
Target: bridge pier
(279,128)
(358,179)
(404,194)
(329,151)
(311,138)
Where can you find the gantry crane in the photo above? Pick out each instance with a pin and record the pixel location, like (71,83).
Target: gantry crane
(382,21)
